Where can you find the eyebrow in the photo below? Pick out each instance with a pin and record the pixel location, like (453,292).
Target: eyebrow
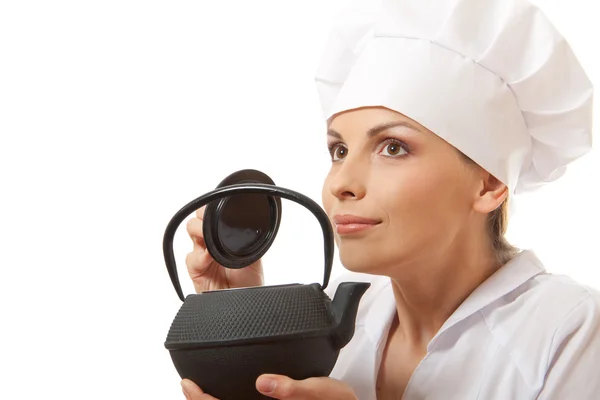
(377,129)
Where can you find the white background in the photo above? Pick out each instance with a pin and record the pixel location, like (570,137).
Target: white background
(114,114)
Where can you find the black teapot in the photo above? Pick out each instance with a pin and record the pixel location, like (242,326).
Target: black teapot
(223,340)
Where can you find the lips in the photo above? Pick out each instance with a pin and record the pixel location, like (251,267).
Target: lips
(348,219)
(352,224)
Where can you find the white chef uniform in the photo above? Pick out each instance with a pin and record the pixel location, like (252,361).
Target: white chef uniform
(522,334)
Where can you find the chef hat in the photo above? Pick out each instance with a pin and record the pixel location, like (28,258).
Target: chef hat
(494,78)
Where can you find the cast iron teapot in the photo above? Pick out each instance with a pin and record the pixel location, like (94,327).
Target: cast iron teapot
(224,339)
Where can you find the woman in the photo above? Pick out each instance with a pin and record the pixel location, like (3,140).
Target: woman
(437,114)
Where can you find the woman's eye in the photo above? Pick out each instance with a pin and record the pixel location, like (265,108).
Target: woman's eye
(393,149)
(338,152)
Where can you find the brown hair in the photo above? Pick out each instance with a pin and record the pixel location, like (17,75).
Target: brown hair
(497,226)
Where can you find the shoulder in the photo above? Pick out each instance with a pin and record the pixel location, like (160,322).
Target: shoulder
(549,322)
(568,315)
(549,300)
(569,307)
(557,301)
(546,304)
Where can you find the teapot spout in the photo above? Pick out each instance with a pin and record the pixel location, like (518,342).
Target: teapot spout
(345,307)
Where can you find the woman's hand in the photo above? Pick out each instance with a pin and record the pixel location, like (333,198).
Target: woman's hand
(206,273)
(284,388)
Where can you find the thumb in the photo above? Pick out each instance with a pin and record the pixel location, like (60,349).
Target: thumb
(279,387)
(285,388)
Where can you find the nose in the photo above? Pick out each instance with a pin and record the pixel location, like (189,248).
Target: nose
(347,181)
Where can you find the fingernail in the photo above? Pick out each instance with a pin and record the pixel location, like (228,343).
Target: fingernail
(184,389)
(266,385)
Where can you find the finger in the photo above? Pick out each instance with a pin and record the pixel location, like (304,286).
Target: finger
(195,230)
(193,392)
(198,262)
(200,213)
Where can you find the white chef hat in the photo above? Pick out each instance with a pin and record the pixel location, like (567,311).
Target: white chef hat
(494,78)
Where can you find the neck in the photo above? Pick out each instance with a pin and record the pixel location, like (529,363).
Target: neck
(427,297)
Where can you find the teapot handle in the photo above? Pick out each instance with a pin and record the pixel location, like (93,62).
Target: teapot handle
(253,188)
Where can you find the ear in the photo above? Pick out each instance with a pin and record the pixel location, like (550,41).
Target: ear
(491,195)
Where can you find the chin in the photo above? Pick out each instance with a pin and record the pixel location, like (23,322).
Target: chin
(358,261)
(374,261)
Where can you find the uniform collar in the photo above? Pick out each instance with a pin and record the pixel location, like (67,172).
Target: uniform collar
(509,277)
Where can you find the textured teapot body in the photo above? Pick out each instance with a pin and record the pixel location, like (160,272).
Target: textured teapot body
(223,340)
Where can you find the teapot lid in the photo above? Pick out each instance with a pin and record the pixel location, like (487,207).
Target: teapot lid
(252,248)
(238,230)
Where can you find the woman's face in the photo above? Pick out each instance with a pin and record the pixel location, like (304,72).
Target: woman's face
(397,194)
